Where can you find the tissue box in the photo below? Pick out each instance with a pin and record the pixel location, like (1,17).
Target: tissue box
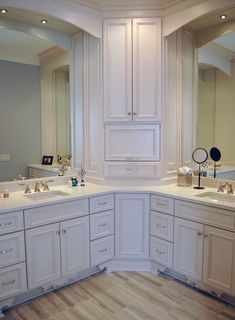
(184,180)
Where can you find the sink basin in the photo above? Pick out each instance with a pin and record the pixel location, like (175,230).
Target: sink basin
(217,197)
(45,194)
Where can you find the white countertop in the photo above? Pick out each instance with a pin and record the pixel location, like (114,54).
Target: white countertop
(17,200)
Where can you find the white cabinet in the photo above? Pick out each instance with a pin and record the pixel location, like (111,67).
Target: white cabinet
(132,69)
(57,250)
(219,259)
(11,221)
(188,248)
(12,248)
(132,143)
(132,226)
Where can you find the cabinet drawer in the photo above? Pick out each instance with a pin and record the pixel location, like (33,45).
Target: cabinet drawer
(56,212)
(10,222)
(161,251)
(131,169)
(12,281)
(101,224)
(102,203)
(12,249)
(162,204)
(161,225)
(102,250)
(205,214)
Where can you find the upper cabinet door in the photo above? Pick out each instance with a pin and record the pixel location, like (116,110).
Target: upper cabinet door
(132,68)
(117,61)
(147,69)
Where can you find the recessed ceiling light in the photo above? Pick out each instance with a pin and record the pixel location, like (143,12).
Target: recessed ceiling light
(223,16)
(3,10)
(43,21)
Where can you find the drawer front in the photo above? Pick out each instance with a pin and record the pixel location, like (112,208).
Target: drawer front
(10,222)
(56,212)
(102,203)
(12,248)
(102,250)
(162,204)
(161,251)
(161,225)
(205,214)
(131,169)
(12,281)
(101,224)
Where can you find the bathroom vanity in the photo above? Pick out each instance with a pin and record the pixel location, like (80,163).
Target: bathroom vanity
(51,241)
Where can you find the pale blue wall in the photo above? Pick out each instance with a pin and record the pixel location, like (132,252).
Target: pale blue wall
(20,124)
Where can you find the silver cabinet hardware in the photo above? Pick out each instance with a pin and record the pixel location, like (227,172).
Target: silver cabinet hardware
(199,233)
(160,252)
(63,231)
(103,250)
(6,251)
(8,283)
(58,232)
(129,113)
(103,225)
(102,203)
(160,204)
(160,226)
(205,235)
(5,224)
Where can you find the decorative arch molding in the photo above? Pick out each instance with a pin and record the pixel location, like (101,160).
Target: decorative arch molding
(79,16)
(176,20)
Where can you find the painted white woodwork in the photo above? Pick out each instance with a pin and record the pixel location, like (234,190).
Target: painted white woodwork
(102,250)
(43,255)
(162,204)
(205,214)
(77,101)
(132,67)
(55,212)
(132,142)
(101,224)
(75,251)
(161,251)
(132,169)
(52,59)
(132,225)
(93,116)
(188,110)
(219,259)
(117,63)
(147,69)
(161,225)
(188,248)
(12,248)
(172,106)
(11,221)
(101,203)
(12,281)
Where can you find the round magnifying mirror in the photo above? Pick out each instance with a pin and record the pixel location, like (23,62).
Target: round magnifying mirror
(200,155)
(215,154)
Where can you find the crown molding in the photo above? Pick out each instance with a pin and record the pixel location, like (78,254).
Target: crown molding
(25,59)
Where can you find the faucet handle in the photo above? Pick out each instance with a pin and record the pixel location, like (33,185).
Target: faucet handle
(27,188)
(230,188)
(44,183)
(37,186)
(221,187)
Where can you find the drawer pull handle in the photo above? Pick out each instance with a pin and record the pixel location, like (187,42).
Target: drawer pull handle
(199,233)
(102,203)
(8,283)
(205,235)
(5,224)
(160,204)
(160,226)
(103,225)
(160,252)
(6,251)
(103,250)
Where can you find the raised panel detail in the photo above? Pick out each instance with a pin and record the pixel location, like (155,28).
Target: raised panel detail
(161,225)
(10,222)
(12,248)
(161,251)
(101,224)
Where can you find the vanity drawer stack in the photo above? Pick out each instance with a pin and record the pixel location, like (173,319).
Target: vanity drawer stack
(12,255)
(102,229)
(161,230)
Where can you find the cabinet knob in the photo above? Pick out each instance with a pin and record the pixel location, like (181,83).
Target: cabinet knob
(205,235)
(129,113)
(58,232)
(63,231)
(134,113)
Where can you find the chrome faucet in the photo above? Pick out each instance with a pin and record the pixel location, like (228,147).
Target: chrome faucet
(37,186)
(45,184)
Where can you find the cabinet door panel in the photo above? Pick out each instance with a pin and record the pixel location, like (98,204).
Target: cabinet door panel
(117,70)
(43,255)
(75,245)
(132,226)
(188,248)
(12,249)
(219,259)
(147,69)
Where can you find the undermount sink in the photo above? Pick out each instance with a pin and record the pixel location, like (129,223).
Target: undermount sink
(45,194)
(217,197)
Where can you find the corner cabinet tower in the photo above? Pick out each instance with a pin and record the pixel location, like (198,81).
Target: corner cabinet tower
(132,97)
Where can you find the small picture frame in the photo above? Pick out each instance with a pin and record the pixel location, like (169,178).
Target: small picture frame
(47,160)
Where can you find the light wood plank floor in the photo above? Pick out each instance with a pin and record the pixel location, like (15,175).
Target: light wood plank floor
(124,296)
